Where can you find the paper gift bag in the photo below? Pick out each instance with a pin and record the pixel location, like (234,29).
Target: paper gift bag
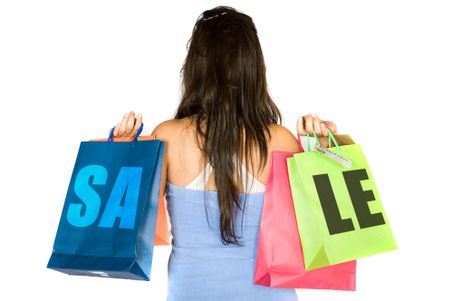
(107,225)
(338,209)
(162,235)
(279,260)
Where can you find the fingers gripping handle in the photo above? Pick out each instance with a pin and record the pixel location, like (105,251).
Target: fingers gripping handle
(110,138)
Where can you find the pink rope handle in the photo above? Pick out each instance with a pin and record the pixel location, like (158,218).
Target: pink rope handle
(300,147)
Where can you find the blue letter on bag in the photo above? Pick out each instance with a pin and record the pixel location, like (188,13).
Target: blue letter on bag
(129,180)
(87,195)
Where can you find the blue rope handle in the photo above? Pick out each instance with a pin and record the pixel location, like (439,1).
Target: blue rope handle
(110,138)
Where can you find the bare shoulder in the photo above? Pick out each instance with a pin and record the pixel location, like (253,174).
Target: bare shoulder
(282,139)
(168,128)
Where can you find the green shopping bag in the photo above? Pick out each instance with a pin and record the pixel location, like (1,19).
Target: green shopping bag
(338,209)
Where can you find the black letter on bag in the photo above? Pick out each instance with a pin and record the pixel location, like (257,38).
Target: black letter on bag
(360,198)
(329,206)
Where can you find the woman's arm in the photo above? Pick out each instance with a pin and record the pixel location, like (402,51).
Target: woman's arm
(161,133)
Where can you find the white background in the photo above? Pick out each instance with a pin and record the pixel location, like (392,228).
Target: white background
(379,69)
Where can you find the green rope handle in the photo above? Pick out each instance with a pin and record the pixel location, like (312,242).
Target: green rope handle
(307,141)
(330,137)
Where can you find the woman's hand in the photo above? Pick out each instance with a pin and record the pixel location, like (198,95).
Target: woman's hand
(310,124)
(129,125)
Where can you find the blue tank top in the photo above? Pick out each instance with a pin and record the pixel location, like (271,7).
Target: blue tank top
(200,267)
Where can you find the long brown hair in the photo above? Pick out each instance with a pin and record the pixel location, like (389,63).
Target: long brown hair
(224,86)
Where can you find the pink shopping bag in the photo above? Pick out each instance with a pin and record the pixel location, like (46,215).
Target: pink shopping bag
(279,260)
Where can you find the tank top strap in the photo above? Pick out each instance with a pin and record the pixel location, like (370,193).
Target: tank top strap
(201,179)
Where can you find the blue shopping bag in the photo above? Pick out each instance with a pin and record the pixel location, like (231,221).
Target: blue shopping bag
(107,225)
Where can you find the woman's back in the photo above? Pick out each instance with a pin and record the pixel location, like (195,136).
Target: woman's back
(201,267)
(185,161)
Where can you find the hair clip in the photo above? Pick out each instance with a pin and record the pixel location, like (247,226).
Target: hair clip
(224,13)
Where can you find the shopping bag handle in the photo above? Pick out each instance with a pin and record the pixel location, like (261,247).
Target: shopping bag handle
(330,137)
(300,146)
(110,138)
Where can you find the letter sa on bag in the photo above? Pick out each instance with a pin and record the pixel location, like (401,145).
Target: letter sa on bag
(121,204)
